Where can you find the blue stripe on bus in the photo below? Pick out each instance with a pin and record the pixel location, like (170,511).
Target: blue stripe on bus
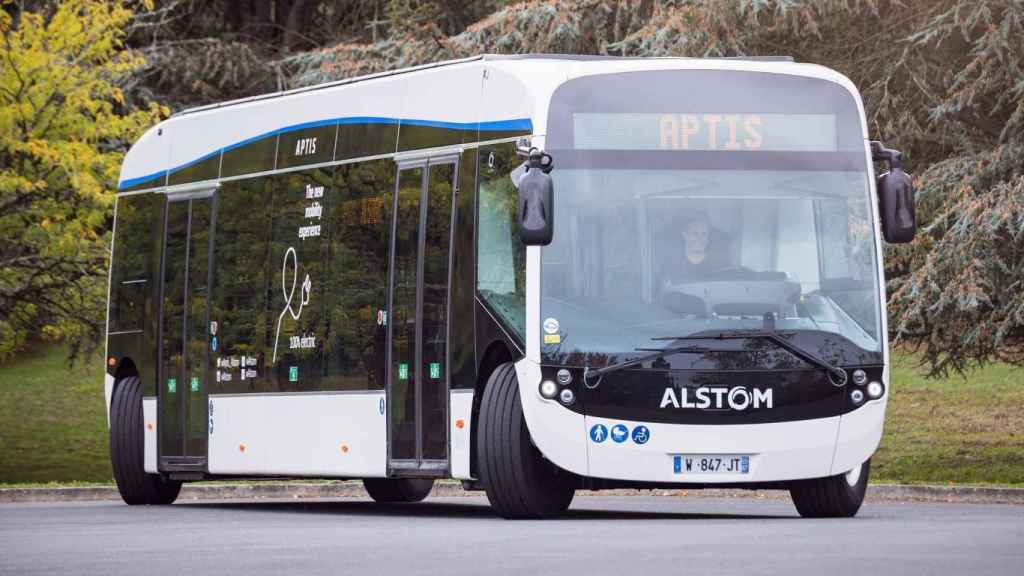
(518,124)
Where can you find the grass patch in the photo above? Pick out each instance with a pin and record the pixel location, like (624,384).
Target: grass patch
(53,424)
(956,430)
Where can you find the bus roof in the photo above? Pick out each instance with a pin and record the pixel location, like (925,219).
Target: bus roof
(481,98)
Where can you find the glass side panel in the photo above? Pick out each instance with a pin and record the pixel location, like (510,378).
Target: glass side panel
(434,361)
(134,261)
(297,297)
(241,285)
(171,387)
(501,257)
(356,285)
(404,371)
(197,340)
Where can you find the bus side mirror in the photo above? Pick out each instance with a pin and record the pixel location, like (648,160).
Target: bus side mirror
(895,197)
(536,201)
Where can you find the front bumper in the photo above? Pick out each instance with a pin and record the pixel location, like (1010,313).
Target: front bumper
(778,451)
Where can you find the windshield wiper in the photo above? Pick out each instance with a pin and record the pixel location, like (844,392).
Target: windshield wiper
(599,373)
(837,376)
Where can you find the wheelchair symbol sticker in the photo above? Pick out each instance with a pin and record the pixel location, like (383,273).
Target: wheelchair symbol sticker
(641,434)
(598,433)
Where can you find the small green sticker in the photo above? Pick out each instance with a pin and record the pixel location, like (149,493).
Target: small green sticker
(435,370)
(172,385)
(195,384)
(403,371)
(293,373)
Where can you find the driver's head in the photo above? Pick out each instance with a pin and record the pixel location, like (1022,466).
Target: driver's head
(696,233)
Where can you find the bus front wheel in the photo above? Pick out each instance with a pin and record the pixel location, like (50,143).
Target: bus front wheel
(518,480)
(398,489)
(127,450)
(833,497)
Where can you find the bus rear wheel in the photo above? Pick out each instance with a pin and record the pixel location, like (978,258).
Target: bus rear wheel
(518,480)
(833,497)
(398,489)
(127,450)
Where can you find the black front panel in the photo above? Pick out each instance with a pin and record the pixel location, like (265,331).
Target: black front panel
(719,395)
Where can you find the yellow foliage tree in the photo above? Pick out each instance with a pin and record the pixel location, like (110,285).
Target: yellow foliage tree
(64,126)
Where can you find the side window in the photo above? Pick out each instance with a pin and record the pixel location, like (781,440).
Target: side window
(297,294)
(134,259)
(241,282)
(500,256)
(360,223)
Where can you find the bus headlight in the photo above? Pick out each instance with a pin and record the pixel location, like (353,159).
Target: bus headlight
(564,377)
(875,390)
(857,397)
(548,389)
(567,396)
(859,377)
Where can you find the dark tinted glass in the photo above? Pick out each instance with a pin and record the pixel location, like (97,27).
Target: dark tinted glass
(462,353)
(197,338)
(356,140)
(171,387)
(434,364)
(255,156)
(199,170)
(416,137)
(360,223)
(404,370)
(134,261)
(306,146)
(244,331)
(297,296)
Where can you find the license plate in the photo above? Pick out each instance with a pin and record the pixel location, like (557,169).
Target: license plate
(689,464)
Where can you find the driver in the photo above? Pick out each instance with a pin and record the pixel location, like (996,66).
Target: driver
(697,260)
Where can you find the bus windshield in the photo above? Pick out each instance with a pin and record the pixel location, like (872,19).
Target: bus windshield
(671,222)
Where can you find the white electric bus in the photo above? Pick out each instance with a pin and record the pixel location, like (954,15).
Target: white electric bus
(534,274)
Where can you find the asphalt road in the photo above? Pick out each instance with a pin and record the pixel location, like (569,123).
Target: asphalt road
(601,535)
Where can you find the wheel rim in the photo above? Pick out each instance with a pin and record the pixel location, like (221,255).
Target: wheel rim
(853,476)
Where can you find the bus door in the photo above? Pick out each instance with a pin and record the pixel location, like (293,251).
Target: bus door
(418,329)
(185,336)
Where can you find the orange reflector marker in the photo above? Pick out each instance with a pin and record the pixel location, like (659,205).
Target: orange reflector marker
(344,448)
(111,361)
(241,447)
(149,426)
(460,424)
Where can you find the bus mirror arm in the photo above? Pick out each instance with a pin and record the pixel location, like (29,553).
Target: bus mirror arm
(535,215)
(895,196)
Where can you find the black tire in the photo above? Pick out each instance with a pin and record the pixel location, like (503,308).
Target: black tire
(832,497)
(518,480)
(126,450)
(398,489)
